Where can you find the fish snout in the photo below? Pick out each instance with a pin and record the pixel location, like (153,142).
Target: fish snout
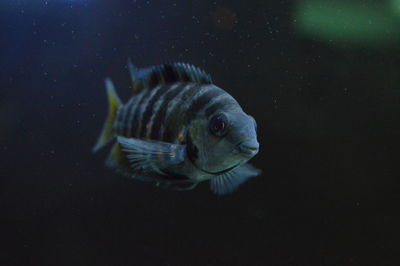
(249,148)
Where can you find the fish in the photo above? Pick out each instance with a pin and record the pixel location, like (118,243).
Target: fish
(179,129)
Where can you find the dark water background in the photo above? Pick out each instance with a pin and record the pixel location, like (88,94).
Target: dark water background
(328,119)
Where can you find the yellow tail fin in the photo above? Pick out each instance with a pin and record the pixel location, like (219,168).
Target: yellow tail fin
(114,102)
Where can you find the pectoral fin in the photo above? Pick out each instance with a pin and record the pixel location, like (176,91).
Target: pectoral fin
(150,155)
(117,161)
(229,182)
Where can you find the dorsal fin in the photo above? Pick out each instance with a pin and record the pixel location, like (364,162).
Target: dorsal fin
(166,73)
(133,72)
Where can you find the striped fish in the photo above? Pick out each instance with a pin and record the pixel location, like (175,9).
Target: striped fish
(179,129)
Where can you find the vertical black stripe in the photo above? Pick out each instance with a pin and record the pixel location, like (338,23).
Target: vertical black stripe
(192,150)
(224,102)
(117,122)
(184,77)
(135,120)
(197,105)
(149,110)
(161,114)
(154,79)
(174,120)
(128,109)
(169,74)
(122,121)
(127,114)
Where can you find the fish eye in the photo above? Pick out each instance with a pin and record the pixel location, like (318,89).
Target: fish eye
(218,125)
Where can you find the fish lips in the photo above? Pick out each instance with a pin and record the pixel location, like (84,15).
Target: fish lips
(248,149)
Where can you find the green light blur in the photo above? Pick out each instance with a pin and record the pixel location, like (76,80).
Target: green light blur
(349,22)
(395,6)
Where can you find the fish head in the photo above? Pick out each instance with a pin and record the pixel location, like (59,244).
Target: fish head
(225,140)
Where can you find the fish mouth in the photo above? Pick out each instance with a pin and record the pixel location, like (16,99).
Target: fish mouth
(248,149)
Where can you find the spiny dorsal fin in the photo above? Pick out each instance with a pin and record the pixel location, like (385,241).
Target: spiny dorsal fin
(133,72)
(165,74)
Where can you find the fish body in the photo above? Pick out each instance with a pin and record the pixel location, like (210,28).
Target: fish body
(179,129)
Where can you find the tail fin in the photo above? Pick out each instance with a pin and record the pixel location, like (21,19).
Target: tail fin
(114,102)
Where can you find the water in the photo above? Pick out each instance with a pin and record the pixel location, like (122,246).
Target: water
(324,91)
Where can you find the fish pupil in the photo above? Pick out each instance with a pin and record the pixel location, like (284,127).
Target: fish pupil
(218,125)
